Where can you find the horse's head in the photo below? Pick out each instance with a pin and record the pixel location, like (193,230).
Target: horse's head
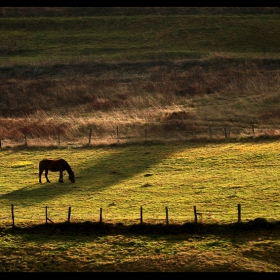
(72,177)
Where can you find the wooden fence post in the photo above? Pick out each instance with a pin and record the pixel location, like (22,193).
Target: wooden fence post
(194,134)
(210,131)
(69,214)
(166,211)
(100,215)
(141,215)
(25,139)
(145,134)
(46,214)
(178,132)
(58,139)
(239,213)
(89,137)
(253,129)
(13,217)
(195,215)
(0,143)
(118,139)
(225,132)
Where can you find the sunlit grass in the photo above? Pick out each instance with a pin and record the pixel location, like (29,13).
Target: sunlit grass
(213,177)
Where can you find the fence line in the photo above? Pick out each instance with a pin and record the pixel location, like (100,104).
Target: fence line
(175,133)
(141,216)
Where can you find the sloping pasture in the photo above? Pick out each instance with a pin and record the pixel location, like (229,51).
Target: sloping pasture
(214,177)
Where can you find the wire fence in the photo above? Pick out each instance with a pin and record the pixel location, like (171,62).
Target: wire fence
(40,215)
(143,134)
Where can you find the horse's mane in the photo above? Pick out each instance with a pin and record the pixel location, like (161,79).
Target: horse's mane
(68,168)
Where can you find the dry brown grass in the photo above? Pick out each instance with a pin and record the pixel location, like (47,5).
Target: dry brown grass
(164,99)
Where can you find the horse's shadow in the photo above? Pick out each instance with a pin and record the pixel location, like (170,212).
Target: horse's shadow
(36,192)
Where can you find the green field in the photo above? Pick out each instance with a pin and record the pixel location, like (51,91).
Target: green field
(120,179)
(39,40)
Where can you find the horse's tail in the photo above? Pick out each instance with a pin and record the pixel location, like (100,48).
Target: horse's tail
(40,164)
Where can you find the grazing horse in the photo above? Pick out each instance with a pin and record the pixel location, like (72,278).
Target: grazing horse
(55,165)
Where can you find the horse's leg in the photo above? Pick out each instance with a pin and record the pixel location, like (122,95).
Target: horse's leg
(60,177)
(46,175)
(40,174)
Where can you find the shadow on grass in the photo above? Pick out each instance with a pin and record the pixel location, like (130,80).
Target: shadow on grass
(88,228)
(236,234)
(122,163)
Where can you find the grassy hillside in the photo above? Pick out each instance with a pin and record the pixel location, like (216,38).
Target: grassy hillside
(118,38)
(188,98)
(129,11)
(120,179)
(188,70)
